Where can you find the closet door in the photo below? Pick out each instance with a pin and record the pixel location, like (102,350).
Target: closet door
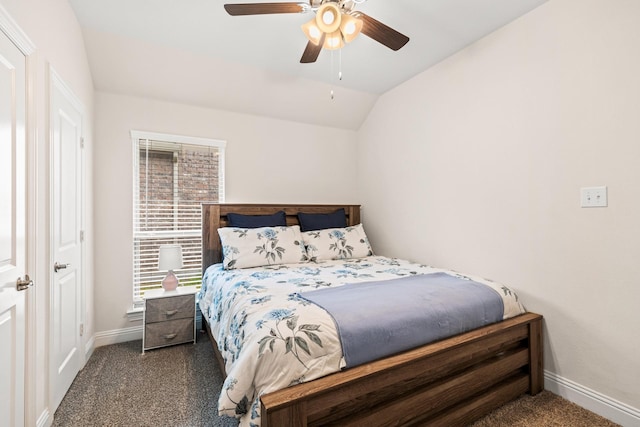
(13,280)
(67,283)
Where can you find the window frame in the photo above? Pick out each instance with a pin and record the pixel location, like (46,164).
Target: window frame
(171,139)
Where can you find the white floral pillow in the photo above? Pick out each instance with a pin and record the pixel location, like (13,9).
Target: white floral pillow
(253,247)
(337,243)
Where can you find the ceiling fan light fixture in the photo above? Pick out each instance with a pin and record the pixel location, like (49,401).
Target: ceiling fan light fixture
(335,23)
(333,41)
(311,30)
(350,27)
(328,17)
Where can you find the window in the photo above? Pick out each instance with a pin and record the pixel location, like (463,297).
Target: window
(173,175)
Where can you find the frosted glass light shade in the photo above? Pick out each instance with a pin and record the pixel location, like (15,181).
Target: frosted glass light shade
(170,257)
(312,31)
(328,17)
(350,27)
(333,41)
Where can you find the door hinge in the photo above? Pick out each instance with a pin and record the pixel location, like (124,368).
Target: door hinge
(81,329)
(82,142)
(82,235)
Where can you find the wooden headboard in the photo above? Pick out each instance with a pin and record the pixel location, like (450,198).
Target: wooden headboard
(214,216)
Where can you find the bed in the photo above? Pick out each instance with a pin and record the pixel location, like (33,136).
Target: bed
(452,381)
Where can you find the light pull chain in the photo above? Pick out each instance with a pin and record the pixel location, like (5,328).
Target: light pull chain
(332,94)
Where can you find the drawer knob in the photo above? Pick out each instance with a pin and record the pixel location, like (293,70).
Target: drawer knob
(171,312)
(170,336)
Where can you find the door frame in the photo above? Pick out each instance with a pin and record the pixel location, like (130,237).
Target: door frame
(54,81)
(12,30)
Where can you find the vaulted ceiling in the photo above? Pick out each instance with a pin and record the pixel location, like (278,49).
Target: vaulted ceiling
(194,52)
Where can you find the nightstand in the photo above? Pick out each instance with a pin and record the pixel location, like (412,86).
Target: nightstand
(169,317)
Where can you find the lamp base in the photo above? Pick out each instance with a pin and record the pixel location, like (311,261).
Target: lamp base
(170,283)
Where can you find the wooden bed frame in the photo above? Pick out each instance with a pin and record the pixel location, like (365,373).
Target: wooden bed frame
(451,382)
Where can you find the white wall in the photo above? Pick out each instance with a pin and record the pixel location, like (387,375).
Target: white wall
(477,164)
(267,161)
(52,27)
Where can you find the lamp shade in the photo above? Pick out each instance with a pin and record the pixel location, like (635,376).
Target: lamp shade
(170,257)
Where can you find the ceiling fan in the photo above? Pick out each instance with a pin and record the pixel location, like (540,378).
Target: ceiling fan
(335,23)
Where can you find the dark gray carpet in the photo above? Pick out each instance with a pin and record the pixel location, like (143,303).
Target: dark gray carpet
(179,386)
(542,410)
(172,386)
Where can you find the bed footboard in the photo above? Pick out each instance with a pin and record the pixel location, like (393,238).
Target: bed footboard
(450,382)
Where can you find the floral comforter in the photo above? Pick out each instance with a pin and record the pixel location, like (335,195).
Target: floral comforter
(270,338)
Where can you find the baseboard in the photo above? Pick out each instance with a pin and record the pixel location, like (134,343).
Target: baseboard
(116,336)
(89,347)
(44,420)
(598,403)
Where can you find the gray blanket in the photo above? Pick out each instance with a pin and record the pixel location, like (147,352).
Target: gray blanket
(381,318)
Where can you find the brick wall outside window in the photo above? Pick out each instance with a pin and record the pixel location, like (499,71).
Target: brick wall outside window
(173,181)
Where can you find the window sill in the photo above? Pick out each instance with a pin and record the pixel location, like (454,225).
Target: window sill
(134,314)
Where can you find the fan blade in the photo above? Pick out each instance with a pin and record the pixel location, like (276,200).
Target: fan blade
(263,8)
(381,33)
(312,51)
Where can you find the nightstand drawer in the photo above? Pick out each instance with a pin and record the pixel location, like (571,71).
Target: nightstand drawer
(170,332)
(161,309)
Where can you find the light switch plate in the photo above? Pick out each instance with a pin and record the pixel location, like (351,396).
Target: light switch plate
(593,197)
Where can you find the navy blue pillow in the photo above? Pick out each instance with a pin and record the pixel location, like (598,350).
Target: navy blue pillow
(256,221)
(310,222)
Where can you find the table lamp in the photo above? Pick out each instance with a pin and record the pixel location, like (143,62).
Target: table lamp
(170,258)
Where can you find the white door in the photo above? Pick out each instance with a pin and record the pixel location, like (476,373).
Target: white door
(13,172)
(67,355)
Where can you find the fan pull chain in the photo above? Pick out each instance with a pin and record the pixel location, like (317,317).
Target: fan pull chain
(331,94)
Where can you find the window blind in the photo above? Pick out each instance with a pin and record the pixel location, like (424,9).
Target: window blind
(173,176)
